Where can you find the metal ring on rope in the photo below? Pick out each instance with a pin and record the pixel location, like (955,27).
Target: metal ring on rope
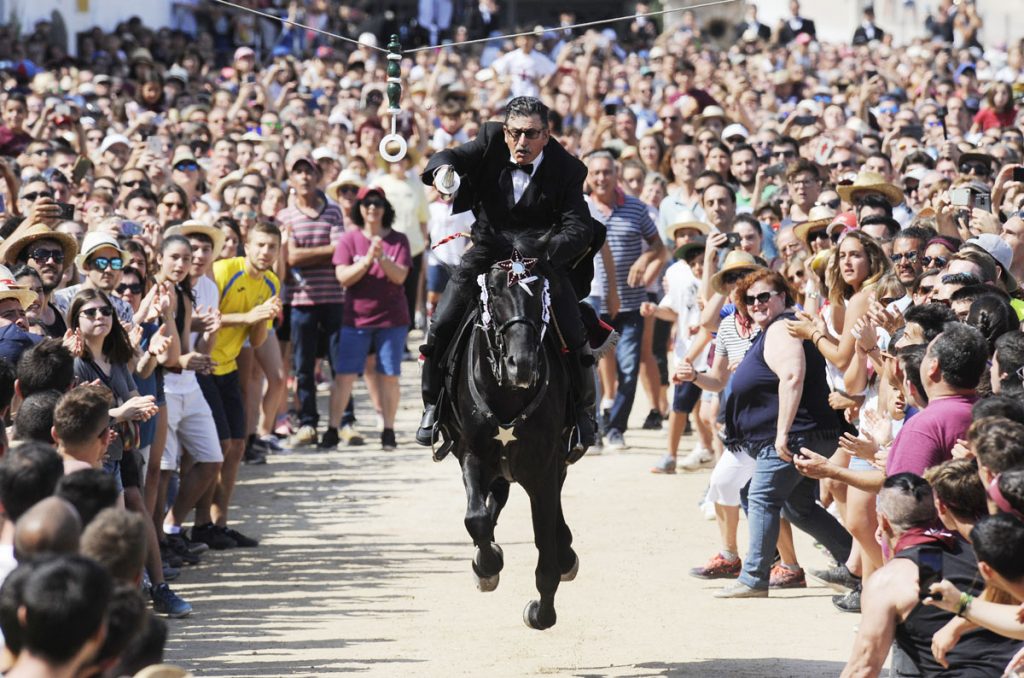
(393,138)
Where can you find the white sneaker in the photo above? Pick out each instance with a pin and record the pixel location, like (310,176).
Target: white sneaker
(306,435)
(613,440)
(697,459)
(708,509)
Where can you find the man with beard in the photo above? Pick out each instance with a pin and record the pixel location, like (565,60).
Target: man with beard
(743,167)
(249,303)
(49,253)
(907,253)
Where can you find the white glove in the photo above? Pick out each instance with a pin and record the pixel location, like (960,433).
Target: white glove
(446,180)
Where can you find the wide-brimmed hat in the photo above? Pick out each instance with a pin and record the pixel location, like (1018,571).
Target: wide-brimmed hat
(187,228)
(998,249)
(819,217)
(345,178)
(95,241)
(698,244)
(871,182)
(735,261)
(27,234)
(699,226)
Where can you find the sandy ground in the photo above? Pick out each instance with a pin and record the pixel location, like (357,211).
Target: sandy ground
(364,567)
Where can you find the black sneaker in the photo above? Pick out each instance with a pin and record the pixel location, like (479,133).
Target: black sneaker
(212,536)
(240,539)
(170,557)
(182,540)
(838,577)
(387,439)
(653,421)
(848,603)
(176,546)
(255,454)
(330,439)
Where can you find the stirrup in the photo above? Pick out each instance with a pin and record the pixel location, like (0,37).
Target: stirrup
(439,453)
(607,346)
(575,449)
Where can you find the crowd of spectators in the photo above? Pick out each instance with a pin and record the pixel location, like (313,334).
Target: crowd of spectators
(814,259)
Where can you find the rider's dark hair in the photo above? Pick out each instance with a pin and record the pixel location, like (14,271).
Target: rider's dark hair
(526,107)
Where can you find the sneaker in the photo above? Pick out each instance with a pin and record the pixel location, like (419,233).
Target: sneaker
(613,440)
(169,557)
(350,436)
(387,439)
(597,448)
(329,440)
(240,539)
(179,542)
(177,549)
(653,421)
(707,509)
(838,577)
(718,567)
(170,573)
(271,442)
(785,578)
(740,590)
(166,601)
(213,537)
(849,602)
(667,465)
(697,459)
(305,436)
(254,455)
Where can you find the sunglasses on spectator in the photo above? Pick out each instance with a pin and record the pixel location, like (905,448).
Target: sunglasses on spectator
(934,262)
(136,183)
(933,123)
(910,257)
(134,288)
(96,311)
(762,298)
(102,263)
(979,169)
(43,255)
(783,154)
(186,166)
(373,202)
(834,204)
(528,133)
(35,195)
(175,204)
(925,289)
(348,190)
(669,118)
(254,200)
(843,164)
(889,110)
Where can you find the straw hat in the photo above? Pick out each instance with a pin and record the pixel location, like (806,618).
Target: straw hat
(11,290)
(345,178)
(187,228)
(871,182)
(25,235)
(737,261)
(820,217)
(698,226)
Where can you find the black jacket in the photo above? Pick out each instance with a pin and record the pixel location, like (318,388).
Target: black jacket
(860,36)
(787,35)
(553,199)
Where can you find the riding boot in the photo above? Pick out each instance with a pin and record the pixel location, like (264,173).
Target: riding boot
(430,384)
(582,363)
(447,315)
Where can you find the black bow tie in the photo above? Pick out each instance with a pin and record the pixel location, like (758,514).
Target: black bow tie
(528,167)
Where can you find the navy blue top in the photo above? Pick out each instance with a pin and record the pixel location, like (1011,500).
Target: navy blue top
(752,409)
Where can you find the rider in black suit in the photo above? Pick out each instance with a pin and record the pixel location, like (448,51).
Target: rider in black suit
(489,167)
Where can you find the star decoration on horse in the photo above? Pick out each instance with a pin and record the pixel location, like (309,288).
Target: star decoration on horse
(518,267)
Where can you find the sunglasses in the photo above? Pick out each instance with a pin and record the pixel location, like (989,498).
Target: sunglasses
(249,201)
(35,195)
(348,190)
(96,311)
(925,289)
(528,133)
(134,288)
(176,204)
(784,154)
(976,168)
(102,263)
(934,262)
(136,183)
(186,166)
(834,204)
(762,298)
(669,118)
(910,257)
(43,255)
(373,202)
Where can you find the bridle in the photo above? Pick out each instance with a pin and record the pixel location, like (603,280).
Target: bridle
(497,345)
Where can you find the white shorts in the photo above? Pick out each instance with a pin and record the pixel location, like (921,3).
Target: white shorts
(190,425)
(734,469)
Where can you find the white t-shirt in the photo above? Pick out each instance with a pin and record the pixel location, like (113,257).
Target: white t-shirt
(207,296)
(681,295)
(443,224)
(525,70)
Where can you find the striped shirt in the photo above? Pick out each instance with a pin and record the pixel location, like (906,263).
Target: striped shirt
(629,225)
(312,285)
(729,345)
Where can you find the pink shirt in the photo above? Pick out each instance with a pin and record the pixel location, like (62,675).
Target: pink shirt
(374,301)
(927,439)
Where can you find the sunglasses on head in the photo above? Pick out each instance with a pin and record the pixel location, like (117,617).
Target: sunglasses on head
(43,255)
(102,263)
(762,298)
(35,195)
(134,288)
(934,262)
(95,311)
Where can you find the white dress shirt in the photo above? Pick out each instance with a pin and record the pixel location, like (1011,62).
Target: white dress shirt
(520,179)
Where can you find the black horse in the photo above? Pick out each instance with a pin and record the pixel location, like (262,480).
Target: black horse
(510,413)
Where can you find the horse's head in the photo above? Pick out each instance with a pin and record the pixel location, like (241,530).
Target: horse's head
(517,313)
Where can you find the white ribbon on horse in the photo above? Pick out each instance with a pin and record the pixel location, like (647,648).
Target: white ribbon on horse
(545,315)
(485,313)
(525,284)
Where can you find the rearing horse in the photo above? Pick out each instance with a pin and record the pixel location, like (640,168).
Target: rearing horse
(510,399)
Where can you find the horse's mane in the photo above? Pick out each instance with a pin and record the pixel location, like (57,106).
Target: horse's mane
(493,247)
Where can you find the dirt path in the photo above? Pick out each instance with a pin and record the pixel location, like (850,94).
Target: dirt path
(365,566)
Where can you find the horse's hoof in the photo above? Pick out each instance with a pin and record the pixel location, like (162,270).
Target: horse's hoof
(486,584)
(571,574)
(531,614)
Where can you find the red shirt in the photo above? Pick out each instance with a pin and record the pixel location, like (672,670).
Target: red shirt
(374,301)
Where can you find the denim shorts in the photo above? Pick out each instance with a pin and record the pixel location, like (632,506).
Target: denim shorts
(355,344)
(685,396)
(858,464)
(437,278)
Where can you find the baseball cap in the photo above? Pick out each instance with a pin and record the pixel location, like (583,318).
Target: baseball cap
(243,52)
(113,140)
(735,130)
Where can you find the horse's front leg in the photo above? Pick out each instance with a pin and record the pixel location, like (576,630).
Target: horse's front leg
(568,561)
(489,560)
(544,504)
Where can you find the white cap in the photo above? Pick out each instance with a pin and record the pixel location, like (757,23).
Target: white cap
(323,152)
(735,130)
(113,140)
